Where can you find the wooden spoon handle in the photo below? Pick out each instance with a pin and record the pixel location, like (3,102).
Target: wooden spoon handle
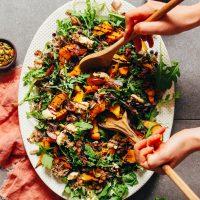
(164,10)
(180,183)
(166,168)
(154,17)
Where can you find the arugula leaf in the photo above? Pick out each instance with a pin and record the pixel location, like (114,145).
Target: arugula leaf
(148,133)
(165,75)
(36,114)
(44,150)
(105,192)
(129,168)
(151,116)
(92,156)
(67,190)
(79,193)
(90,14)
(33,74)
(135,86)
(68,83)
(64,26)
(116,19)
(75,159)
(72,155)
(47,161)
(120,190)
(105,162)
(83,126)
(41,126)
(130,179)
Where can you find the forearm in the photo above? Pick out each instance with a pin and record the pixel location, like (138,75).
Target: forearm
(196,139)
(193,16)
(191,139)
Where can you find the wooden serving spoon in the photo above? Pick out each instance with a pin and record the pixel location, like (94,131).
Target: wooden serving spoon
(122,125)
(103,59)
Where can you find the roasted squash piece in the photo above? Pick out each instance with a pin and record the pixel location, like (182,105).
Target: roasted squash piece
(148,66)
(57,101)
(61,114)
(113,70)
(116,110)
(114,36)
(95,135)
(120,58)
(66,53)
(46,141)
(97,109)
(144,46)
(86,177)
(102,29)
(76,71)
(149,124)
(106,151)
(91,89)
(123,70)
(130,156)
(79,94)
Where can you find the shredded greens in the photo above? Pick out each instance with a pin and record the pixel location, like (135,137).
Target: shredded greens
(69,105)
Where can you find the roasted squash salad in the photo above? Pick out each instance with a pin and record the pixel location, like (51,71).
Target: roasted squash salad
(93,162)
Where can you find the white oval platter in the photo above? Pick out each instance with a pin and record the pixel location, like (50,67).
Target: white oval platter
(43,35)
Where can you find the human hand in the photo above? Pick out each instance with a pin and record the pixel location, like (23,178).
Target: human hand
(152,153)
(180,19)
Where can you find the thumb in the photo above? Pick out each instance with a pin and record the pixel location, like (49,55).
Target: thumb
(151,28)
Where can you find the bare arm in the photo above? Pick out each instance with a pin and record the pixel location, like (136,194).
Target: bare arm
(152,153)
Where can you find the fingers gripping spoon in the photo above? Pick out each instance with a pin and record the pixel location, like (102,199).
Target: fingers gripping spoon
(103,59)
(122,125)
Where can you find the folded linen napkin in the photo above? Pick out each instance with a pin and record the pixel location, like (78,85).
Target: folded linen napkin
(22,182)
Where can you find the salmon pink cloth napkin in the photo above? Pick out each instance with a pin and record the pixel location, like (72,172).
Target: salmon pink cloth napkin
(22,182)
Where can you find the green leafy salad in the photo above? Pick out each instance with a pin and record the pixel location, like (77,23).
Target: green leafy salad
(68,104)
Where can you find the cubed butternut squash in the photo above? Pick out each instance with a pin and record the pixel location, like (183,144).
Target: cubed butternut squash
(123,70)
(61,114)
(79,94)
(113,70)
(144,46)
(91,89)
(116,109)
(76,71)
(57,101)
(97,109)
(149,124)
(86,177)
(130,156)
(95,135)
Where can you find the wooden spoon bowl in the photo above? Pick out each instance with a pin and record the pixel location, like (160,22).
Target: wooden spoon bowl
(103,59)
(122,125)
